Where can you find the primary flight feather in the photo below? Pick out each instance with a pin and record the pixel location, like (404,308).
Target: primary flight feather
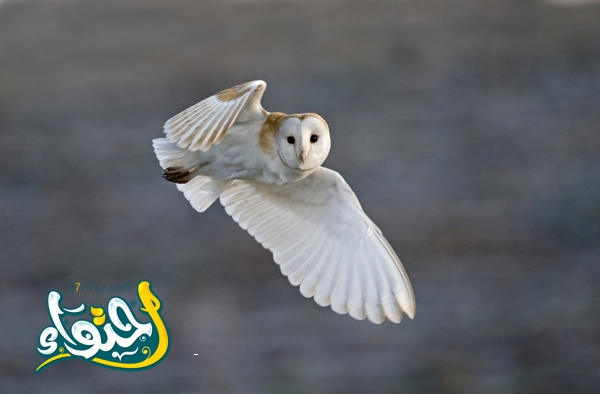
(266,170)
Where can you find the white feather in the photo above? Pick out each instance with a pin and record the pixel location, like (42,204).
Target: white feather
(197,117)
(387,299)
(312,265)
(167,152)
(266,232)
(326,241)
(298,276)
(323,278)
(341,271)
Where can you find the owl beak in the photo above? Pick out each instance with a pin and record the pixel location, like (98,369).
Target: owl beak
(303,155)
(302,150)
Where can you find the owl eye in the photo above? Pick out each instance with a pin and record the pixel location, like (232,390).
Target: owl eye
(291,140)
(313,138)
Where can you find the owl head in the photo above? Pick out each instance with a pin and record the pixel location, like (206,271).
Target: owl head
(302,141)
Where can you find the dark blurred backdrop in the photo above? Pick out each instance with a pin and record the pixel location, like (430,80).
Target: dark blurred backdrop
(468,129)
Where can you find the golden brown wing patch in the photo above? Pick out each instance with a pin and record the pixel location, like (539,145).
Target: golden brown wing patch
(233,92)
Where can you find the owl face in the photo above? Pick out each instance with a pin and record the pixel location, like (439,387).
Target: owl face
(303,141)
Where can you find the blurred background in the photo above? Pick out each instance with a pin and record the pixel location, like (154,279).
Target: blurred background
(469,130)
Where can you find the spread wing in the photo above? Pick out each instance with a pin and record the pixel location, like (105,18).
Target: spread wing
(324,242)
(205,124)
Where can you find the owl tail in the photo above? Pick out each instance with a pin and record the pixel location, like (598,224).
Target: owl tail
(201,191)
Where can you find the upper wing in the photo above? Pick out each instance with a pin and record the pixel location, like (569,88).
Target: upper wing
(324,242)
(205,124)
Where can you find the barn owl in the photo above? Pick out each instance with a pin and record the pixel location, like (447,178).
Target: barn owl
(266,170)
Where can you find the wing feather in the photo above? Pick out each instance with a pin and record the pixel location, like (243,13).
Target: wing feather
(336,283)
(267,233)
(310,262)
(324,242)
(287,235)
(203,127)
(192,121)
(190,113)
(291,255)
(217,122)
(257,214)
(260,220)
(258,207)
(372,288)
(202,191)
(202,131)
(388,301)
(355,296)
(324,279)
(281,239)
(206,123)
(228,122)
(312,265)
(401,288)
(248,204)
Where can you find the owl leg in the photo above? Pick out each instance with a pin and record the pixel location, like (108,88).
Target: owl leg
(179,174)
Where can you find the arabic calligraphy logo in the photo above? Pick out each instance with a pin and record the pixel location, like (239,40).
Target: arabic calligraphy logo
(113,339)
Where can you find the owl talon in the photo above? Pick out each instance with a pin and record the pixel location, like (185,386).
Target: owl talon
(177,174)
